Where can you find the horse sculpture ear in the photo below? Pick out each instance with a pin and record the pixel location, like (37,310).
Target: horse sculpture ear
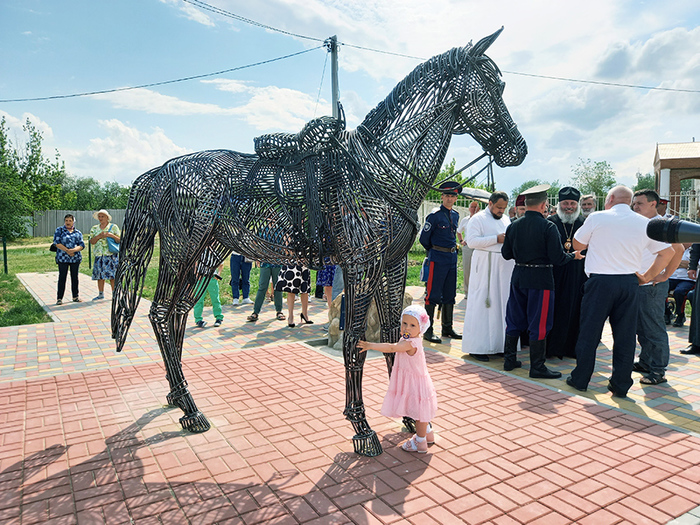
(483,44)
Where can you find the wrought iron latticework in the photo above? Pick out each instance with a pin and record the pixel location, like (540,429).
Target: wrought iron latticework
(324,192)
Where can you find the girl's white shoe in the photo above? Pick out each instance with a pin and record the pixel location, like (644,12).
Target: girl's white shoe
(412,445)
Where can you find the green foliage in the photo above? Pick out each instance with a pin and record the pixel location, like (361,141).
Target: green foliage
(31,182)
(593,177)
(552,192)
(645,182)
(446,173)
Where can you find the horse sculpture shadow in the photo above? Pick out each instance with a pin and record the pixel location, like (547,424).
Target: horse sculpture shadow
(113,486)
(326,193)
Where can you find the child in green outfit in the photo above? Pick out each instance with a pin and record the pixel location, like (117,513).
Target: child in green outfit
(213,290)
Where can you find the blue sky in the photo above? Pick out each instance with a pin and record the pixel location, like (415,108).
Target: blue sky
(59,47)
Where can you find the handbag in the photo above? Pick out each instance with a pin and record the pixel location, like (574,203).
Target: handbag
(53,248)
(112,245)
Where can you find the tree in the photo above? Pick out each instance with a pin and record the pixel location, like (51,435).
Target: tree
(645,182)
(15,205)
(15,200)
(447,173)
(593,177)
(43,178)
(552,192)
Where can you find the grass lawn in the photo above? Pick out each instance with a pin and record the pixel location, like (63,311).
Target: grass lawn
(18,307)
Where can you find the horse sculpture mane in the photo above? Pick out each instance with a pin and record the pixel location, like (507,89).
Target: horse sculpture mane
(322,193)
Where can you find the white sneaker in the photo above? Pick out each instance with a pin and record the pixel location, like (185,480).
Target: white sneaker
(235,302)
(247,301)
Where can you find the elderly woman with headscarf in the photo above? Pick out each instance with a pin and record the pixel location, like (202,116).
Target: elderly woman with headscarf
(105,238)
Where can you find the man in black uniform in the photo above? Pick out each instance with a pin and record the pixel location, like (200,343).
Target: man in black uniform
(568,279)
(535,244)
(694,330)
(438,237)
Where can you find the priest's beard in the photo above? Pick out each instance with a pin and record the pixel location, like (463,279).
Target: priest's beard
(568,218)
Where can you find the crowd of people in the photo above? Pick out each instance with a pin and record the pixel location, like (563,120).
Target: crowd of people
(549,277)
(538,276)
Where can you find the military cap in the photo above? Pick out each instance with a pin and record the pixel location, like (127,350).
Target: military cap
(450,187)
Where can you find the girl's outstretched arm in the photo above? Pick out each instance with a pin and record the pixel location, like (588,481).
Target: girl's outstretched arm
(388,348)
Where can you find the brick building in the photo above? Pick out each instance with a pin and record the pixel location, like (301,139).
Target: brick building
(672,164)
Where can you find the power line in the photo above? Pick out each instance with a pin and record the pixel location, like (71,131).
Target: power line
(614,84)
(192,77)
(223,12)
(208,7)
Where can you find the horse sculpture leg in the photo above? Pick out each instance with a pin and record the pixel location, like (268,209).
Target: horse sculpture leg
(390,294)
(170,333)
(358,294)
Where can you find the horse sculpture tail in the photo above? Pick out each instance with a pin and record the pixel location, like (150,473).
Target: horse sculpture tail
(135,252)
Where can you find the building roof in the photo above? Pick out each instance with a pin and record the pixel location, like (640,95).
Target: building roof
(680,155)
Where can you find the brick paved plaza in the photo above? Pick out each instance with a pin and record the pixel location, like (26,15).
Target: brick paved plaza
(86,438)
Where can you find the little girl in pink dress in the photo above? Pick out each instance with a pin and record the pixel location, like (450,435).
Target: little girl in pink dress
(411,392)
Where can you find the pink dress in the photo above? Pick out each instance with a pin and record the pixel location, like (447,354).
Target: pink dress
(411,392)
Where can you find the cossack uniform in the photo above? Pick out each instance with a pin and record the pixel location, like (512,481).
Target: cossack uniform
(535,244)
(438,237)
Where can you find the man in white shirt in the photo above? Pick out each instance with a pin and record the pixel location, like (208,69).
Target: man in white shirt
(616,239)
(466,250)
(489,281)
(651,328)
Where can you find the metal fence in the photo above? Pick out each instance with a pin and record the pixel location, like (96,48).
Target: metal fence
(46,222)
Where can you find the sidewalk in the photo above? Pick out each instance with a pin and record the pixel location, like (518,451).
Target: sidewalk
(86,438)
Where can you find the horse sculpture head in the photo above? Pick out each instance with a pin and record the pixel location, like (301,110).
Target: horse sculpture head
(481,111)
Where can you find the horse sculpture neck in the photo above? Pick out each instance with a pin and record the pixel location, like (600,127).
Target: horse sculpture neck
(409,132)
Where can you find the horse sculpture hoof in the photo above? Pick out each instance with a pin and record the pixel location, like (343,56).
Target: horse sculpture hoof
(410,424)
(367,445)
(195,423)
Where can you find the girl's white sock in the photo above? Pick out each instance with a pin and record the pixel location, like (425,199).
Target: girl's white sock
(419,439)
(429,430)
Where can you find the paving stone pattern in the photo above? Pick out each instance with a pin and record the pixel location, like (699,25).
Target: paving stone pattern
(86,438)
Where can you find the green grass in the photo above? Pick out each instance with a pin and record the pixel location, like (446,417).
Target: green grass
(18,307)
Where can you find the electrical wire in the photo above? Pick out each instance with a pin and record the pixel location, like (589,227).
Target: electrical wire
(320,86)
(203,5)
(208,7)
(152,84)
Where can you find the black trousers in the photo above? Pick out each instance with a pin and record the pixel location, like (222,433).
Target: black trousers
(613,297)
(62,276)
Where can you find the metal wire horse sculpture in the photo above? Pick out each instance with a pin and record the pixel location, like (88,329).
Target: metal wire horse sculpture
(324,192)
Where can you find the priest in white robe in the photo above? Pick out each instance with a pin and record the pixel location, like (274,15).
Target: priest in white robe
(489,281)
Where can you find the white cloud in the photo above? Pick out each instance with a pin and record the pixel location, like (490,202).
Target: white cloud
(15,125)
(191,12)
(268,108)
(123,154)
(150,101)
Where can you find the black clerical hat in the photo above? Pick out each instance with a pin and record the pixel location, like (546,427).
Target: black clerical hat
(569,194)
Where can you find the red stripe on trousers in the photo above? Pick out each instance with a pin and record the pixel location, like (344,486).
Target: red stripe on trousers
(429,283)
(543,316)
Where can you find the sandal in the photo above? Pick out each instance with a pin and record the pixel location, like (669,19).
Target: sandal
(653,379)
(252,318)
(414,446)
(281,316)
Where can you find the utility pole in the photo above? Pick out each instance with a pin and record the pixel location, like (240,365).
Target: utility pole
(332,45)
